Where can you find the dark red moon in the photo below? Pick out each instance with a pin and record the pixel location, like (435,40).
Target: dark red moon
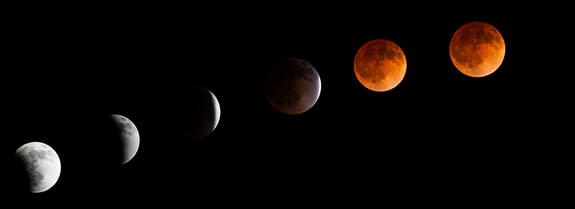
(292,86)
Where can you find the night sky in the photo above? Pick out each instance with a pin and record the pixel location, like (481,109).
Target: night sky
(438,137)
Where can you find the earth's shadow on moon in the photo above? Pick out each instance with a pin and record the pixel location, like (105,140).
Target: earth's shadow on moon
(292,85)
(18,175)
(92,154)
(191,115)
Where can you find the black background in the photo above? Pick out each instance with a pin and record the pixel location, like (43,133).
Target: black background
(438,137)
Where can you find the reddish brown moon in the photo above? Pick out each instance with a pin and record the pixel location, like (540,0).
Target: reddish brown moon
(380,65)
(477,49)
(292,86)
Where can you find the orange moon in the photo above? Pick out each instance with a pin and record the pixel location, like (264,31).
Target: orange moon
(477,49)
(380,65)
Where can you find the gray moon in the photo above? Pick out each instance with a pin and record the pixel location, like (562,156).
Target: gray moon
(42,165)
(292,86)
(129,136)
(202,115)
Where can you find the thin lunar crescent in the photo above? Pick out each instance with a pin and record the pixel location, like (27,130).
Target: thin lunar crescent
(201,115)
(42,165)
(216,110)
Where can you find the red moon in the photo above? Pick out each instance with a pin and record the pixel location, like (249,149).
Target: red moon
(380,65)
(477,49)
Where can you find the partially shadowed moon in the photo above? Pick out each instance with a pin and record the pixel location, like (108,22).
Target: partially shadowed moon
(42,165)
(129,137)
(292,86)
(380,65)
(202,115)
(477,49)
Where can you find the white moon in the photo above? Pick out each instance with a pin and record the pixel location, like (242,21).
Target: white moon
(129,135)
(216,110)
(42,165)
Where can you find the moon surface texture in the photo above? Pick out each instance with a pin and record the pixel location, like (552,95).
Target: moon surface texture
(202,115)
(42,165)
(129,137)
(292,86)
(380,65)
(477,49)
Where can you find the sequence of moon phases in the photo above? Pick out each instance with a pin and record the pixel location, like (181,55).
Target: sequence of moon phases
(41,164)
(477,49)
(380,65)
(202,115)
(292,86)
(129,137)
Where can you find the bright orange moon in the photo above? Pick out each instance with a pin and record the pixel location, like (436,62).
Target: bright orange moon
(380,65)
(477,49)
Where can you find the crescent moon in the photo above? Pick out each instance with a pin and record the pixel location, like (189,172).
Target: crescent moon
(216,110)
